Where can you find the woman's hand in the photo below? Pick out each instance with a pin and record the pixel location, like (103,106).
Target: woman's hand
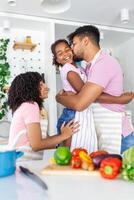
(69,129)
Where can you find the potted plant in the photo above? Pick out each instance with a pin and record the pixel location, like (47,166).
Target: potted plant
(4,76)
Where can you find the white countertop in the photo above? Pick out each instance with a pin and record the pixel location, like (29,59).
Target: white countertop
(20,187)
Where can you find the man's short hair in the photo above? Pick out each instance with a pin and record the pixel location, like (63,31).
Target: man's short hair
(90,31)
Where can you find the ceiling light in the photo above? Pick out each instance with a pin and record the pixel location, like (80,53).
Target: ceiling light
(55,6)
(124,15)
(6,25)
(12,2)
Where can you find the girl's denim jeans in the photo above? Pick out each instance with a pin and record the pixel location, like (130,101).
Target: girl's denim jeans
(66,116)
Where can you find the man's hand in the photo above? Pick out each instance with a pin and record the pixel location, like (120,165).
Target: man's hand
(127,97)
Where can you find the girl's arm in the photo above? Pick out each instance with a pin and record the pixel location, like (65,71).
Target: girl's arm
(123,99)
(35,136)
(75,80)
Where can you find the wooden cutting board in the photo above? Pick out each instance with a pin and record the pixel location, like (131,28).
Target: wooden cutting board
(66,170)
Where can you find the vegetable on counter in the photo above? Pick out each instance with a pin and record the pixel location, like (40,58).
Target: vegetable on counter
(62,155)
(128,174)
(81,159)
(52,161)
(87,162)
(76,162)
(76,151)
(97,153)
(87,166)
(99,158)
(85,157)
(110,167)
(128,164)
(128,157)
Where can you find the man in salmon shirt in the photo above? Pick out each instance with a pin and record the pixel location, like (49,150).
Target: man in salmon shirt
(115,133)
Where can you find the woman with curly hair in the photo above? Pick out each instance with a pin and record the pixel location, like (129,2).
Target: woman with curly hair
(25,99)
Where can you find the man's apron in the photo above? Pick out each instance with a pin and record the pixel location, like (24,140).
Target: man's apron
(109,128)
(86,136)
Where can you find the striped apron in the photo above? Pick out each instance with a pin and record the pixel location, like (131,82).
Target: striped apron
(86,136)
(109,128)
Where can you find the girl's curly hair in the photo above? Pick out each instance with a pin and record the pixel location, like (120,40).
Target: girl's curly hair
(25,88)
(53,47)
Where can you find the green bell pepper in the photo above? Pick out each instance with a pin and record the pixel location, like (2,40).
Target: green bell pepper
(62,155)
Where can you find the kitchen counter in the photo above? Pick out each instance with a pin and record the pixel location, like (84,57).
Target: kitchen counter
(20,187)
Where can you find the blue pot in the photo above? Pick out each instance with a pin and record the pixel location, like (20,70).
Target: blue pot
(8,162)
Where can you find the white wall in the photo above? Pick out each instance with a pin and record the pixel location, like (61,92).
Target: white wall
(126,58)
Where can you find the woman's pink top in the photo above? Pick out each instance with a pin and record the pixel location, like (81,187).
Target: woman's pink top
(27,113)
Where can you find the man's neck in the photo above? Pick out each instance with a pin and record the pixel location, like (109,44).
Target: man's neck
(89,55)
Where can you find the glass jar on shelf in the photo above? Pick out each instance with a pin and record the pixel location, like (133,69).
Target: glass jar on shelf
(28,39)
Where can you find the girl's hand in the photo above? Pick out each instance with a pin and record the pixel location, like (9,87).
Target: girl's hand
(64,93)
(61,92)
(70,93)
(69,129)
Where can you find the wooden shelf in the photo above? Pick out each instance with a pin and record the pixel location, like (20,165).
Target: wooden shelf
(24,46)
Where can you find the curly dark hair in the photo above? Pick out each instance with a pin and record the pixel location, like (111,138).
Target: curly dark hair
(53,47)
(90,31)
(25,88)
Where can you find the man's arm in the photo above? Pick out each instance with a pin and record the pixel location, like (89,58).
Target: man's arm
(123,99)
(88,94)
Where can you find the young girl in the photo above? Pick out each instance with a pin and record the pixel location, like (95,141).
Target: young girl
(25,99)
(73,79)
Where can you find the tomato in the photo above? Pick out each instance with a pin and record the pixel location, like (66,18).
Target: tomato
(76,162)
(76,151)
(97,153)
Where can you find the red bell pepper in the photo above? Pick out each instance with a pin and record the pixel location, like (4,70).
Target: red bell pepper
(76,162)
(76,151)
(110,167)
